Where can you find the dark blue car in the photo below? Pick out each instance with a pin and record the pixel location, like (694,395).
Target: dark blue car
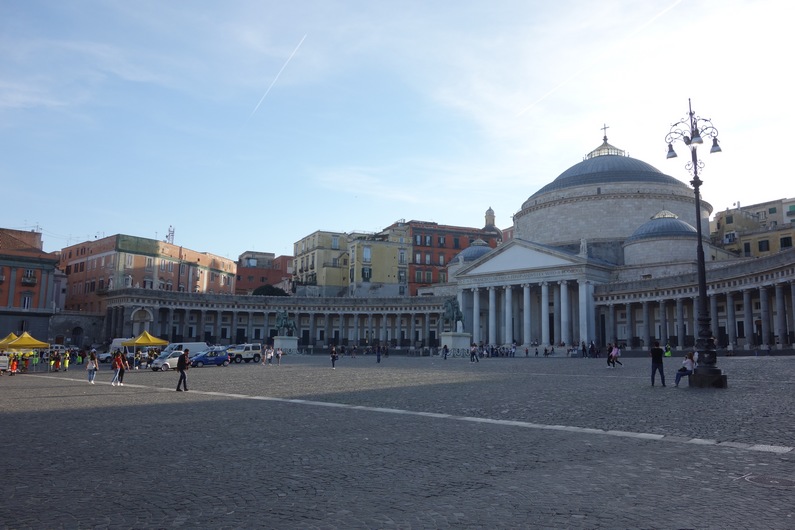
(211,358)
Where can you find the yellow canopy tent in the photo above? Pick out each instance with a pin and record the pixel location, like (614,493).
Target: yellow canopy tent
(26,342)
(145,339)
(10,337)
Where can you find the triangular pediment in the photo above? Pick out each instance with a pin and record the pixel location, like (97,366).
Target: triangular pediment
(520,256)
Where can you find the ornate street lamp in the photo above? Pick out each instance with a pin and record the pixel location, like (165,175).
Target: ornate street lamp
(692,130)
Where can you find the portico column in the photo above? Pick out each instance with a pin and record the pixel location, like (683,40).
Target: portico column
(764,305)
(327,334)
(646,325)
(342,329)
(312,328)
(585,300)
(611,325)
(556,314)
(565,314)
(370,329)
(426,329)
(492,338)
(663,322)
(680,324)
(399,329)
(731,320)
(544,313)
(630,325)
(792,304)
(748,320)
(202,324)
(780,329)
(383,336)
(713,314)
(476,315)
(526,314)
(508,315)
(413,329)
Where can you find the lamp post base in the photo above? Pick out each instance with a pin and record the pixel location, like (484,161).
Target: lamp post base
(708,378)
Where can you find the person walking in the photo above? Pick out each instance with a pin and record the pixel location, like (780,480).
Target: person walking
(473,354)
(616,356)
(116,365)
(183,363)
(92,366)
(279,354)
(610,363)
(688,365)
(334,357)
(657,362)
(122,368)
(378,354)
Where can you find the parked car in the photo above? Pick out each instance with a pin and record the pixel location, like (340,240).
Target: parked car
(105,357)
(245,352)
(211,358)
(167,361)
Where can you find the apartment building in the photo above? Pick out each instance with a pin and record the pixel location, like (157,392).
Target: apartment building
(434,246)
(93,268)
(320,265)
(757,230)
(30,284)
(379,263)
(256,269)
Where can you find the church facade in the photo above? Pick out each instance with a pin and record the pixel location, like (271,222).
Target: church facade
(607,253)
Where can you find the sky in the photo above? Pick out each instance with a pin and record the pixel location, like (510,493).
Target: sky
(248,125)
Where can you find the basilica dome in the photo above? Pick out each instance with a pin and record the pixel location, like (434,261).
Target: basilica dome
(604,199)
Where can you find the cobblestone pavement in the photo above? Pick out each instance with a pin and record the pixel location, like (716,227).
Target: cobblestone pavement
(413,442)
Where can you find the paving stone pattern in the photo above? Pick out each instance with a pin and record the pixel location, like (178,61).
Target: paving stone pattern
(413,442)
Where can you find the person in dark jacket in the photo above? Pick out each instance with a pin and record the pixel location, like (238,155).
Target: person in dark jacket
(183,363)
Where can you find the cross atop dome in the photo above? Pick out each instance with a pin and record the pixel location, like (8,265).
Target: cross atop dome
(605,148)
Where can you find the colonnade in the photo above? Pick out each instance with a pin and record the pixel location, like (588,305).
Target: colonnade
(747,318)
(226,326)
(548,312)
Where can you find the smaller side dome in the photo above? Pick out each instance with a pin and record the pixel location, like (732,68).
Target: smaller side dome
(477,249)
(664,224)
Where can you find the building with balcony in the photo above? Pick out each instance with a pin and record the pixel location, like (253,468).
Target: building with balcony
(256,269)
(30,284)
(378,264)
(320,265)
(757,230)
(434,246)
(95,268)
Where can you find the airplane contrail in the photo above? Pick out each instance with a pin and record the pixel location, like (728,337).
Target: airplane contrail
(277,76)
(578,72)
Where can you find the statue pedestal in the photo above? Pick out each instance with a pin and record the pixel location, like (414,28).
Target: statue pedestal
(455,340)
(287,344)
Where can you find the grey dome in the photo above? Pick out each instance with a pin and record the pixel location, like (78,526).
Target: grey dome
(608,169)
(477,249)
(663,225)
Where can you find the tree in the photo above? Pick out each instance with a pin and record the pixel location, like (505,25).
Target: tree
(269,290)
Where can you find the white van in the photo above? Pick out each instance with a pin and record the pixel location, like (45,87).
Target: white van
(194,347)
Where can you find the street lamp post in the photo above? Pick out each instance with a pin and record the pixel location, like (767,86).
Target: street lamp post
(691,131)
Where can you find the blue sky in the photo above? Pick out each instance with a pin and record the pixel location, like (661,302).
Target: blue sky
(130,117)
